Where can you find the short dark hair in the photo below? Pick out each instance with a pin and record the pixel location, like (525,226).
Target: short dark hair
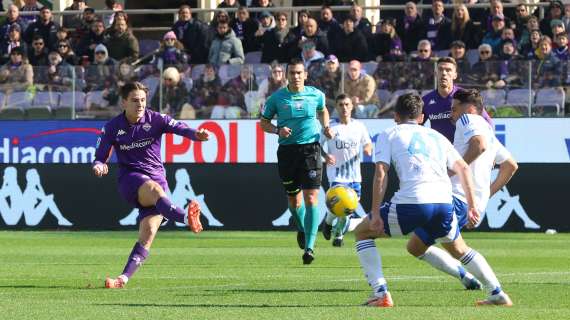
(131,86)
(294,62)
(447,60)
(341,96)
(470,97)
(409,106)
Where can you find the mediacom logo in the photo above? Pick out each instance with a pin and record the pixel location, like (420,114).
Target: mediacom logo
(27,149)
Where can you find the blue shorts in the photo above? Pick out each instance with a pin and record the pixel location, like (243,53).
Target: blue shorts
(356,186)
(129,184)
(430,221)
(461,208)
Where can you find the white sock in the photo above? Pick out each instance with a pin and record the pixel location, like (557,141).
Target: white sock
(329,218)
(371,263)
(353,223)
(124,278)
(442,261)
(478,265)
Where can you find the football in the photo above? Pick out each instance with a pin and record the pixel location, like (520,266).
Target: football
(341,200)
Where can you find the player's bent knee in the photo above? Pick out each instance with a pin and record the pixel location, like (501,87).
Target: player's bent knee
(149,192)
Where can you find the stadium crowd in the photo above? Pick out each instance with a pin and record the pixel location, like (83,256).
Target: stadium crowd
(242,55)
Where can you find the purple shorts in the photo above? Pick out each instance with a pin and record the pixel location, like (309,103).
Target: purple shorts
(129,184)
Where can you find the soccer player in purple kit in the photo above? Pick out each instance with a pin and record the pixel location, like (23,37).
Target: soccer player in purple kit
(136,135)
(438,102)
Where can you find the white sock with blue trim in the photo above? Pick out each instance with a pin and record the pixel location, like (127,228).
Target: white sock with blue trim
(480,268)
(442,261)
(371,263)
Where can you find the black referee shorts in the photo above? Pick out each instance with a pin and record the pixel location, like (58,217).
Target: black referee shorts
(300,167)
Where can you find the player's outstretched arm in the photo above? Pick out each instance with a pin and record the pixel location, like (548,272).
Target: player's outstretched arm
(506,171)
(463,171)
(378,193)
(477,145)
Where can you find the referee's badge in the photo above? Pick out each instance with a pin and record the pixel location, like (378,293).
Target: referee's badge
(298,105)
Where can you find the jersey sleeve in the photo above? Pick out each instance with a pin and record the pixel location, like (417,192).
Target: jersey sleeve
(104,145)
(269,109)
(321,101)
(179,128)
(502,153)
(469,127)
(383,149)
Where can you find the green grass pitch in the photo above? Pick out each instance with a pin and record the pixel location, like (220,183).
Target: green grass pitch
(259,275)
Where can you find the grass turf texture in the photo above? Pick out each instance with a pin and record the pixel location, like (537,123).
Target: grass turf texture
(259,275)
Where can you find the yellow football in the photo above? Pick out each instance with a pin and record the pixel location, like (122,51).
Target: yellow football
(342,200)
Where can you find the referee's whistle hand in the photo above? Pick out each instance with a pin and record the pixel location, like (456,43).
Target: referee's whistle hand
(285,132)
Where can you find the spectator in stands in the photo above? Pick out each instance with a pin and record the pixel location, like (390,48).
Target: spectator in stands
(362,90)
(521,20)
(384,41)
(566,17)
(171,54)
(493,36)
(277,41)
(193,34)
(12,17)
(302,17)
(245,27)
(512,68)
(95,37)
(561,50)
(101,74)
(531,49)
(457,52)
(14,40)
(485,71)
(548,69)
(266,23)
(350,44)
(235,89)
(66,52)
(44,27)
(314,62)
(267,4)
(328,24)
(274,82)
(225,48)
(221,15)
(555,11)
(422,67)
(74,21)
(109,18)
(507,34)
(174,94)
(495,9)
(434,23)
(38,55)
(29,6)
(17,74)
(85,26)
(361,23)
(311,33)
(121,42)
(410,28)
(329,82)
(231,4)
(461,28)
(557,27)
(204,93)
(524,33)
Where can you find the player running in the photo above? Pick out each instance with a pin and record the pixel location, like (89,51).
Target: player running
(299,154)
(342,155)
(421,158)
(476,142)
(135,135)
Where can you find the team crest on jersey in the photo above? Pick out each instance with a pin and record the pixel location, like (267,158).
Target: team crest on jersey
(312,174)
(432,101)
(146,126)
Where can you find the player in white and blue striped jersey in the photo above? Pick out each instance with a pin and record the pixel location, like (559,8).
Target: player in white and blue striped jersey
(421,158)
(342,155)
(476,142)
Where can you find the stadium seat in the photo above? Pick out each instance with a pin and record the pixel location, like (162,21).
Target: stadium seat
(20,99)
(369,67)
(12,113)
(68,98)
(472,56)
(229,71)
(147,46)
(493,98)
(197,71)
(151,82)
(550,100)
(441,53)
(47,98)
(261,71)
(2,99)
(520,97)
(252,57)
(187,81)
(383,95)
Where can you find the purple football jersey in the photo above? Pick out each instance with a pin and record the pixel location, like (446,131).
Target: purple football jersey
(138,145)
(437,110)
